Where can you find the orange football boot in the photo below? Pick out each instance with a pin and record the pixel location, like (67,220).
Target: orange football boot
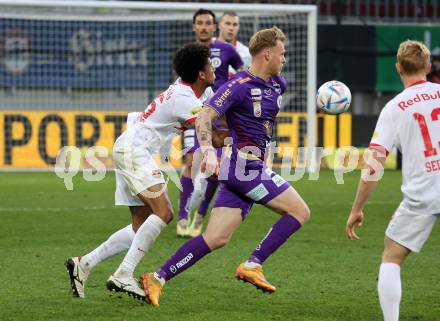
(254,276)
(152,287)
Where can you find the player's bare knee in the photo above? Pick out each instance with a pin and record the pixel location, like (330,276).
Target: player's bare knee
(219,243)
(216,241)
(136,224)
(302,214)
(166,214)
(390,257)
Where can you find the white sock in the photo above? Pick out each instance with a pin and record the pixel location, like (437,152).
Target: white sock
(116,243)
(159,278)
(251,265)
(142,242)
(390,290)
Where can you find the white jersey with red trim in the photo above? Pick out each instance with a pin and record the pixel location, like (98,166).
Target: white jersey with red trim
(411,122)
(168,114)
(244,53)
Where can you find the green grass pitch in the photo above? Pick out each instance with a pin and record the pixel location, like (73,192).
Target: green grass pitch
(320,275)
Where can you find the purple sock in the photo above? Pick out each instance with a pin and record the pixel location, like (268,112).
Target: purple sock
(187,189)
(210,191)
(188,254)
(277,235)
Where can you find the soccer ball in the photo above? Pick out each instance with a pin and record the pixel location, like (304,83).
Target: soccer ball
(333,97)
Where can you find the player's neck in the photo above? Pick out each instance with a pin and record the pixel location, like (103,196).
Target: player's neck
(205,43)
(408,81)
(226,41)
(258,71)
(198,88)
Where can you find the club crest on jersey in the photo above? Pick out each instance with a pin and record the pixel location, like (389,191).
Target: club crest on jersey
(257,108)
(268,92)
(216,62)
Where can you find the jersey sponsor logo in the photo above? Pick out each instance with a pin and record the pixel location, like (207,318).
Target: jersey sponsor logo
(417,99)
(215,52)
(216,62)
(255,91)
(258,192)
(219,101)
(257,108)
(256,94)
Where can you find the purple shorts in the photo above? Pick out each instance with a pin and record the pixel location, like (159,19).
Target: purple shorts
(246,182)
(191,143)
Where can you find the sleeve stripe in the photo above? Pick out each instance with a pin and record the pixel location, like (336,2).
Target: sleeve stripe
(208,105)
(379,148)
(190,121)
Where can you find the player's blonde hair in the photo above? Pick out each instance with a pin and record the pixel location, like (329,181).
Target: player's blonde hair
(413,56)
(265,38)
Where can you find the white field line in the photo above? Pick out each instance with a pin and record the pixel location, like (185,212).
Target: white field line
(92,208)
(53,209)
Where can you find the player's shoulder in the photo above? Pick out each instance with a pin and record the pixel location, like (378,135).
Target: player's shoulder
(222,45)
(238,85)
(239,46)
(240,80)
(410,95)
(280,82)
(183,93)
(182,89)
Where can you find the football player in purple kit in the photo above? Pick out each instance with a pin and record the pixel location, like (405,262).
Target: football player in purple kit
(250,101)
(223,55)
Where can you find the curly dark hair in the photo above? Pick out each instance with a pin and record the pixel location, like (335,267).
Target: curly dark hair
(203,11)
(189,60)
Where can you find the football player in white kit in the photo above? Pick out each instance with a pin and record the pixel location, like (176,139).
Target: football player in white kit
(410,122)
(140,184)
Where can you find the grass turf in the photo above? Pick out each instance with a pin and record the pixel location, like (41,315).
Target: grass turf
(320,275)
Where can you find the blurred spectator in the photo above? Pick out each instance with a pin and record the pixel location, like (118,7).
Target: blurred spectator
(434,75)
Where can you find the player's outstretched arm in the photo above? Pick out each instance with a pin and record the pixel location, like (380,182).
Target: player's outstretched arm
(367,184)
(204,135)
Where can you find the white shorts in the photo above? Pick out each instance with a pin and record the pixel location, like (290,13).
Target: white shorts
(135,171)
(410,229)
